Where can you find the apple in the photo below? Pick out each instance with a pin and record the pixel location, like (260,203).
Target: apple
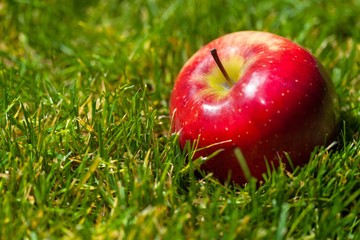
(253,96)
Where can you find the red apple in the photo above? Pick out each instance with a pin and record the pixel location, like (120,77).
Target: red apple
(277,99)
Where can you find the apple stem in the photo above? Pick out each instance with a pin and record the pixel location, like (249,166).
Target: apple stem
(221,67)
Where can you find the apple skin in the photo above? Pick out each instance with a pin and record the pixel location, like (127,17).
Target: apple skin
(282,101)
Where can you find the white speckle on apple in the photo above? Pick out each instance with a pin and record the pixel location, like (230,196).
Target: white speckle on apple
(262,101)
(282,94)
(310,84)
(238,135)
(247,133)
(278,111)
(299,102)
(272,102)
(270,120)
(265,124)
(239,110)
(217,139)
(203,139)
(296,80)
(226,129)
(266,110)
(250,122)
(305,60)
(271,61)
(215,126)
(264,65)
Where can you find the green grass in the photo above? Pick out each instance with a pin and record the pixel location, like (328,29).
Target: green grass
(85,146)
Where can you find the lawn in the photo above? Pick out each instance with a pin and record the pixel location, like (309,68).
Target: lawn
(85,143)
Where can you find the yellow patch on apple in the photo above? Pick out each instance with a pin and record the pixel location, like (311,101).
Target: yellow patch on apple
(218,84)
